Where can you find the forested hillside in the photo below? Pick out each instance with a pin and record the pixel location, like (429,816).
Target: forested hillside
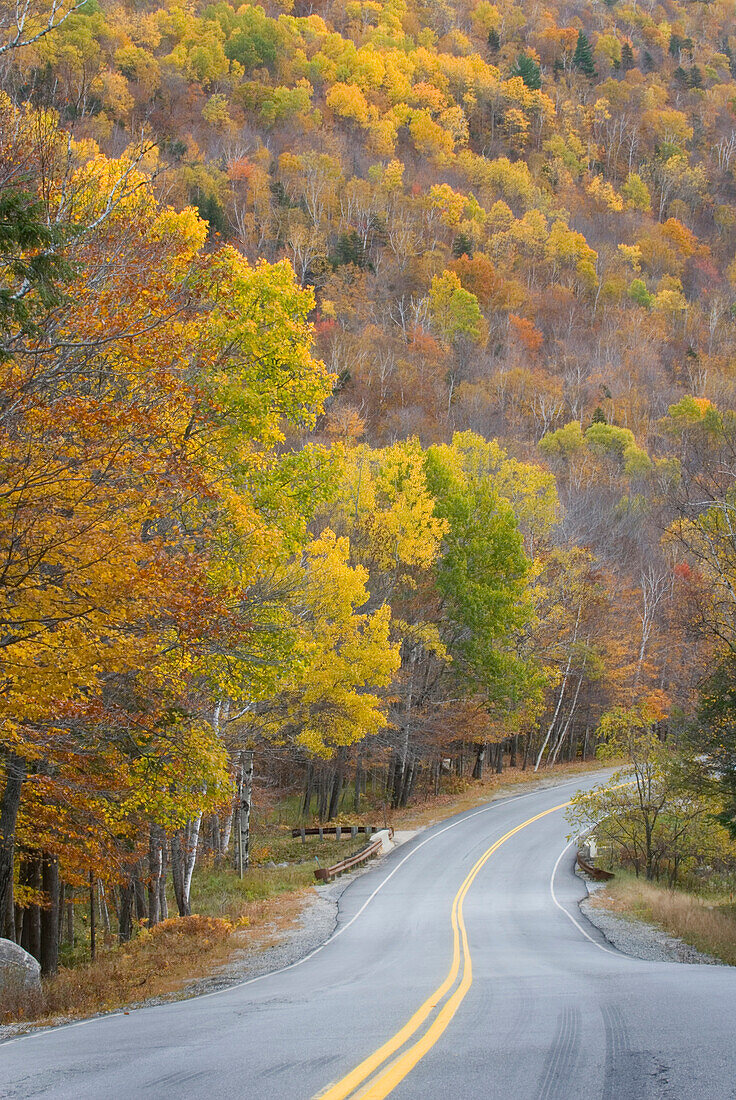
(368,388)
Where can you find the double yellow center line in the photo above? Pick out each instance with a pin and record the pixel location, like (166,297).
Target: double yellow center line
(392,1072)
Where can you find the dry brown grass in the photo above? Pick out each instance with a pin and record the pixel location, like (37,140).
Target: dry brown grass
(162,962)
(708,925)
(155,963)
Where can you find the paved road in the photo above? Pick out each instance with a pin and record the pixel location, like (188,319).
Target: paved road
(458,971)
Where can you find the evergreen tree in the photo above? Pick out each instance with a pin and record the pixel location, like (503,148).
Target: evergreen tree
(494,42)
(582,59)
(726,49)
(676,44)
(349,250)
(599,417)
(695,78)
(627,57)
(211,211)
(647,62)
(527,68)
(462,246)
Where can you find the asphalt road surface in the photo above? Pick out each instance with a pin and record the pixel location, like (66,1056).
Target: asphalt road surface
(460,968)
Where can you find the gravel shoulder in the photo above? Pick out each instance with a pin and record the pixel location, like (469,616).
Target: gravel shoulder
(636,937)
(316,922)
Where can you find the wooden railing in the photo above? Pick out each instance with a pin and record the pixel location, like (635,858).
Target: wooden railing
(332,830)
(326,874)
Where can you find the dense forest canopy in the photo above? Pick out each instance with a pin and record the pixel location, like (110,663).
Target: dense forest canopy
(368,388)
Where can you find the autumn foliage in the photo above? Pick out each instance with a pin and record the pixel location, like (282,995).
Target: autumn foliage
(366,374)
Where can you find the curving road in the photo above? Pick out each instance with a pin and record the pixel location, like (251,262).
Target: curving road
(461,967)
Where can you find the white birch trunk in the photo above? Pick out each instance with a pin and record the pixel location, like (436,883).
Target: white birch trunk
(553,723)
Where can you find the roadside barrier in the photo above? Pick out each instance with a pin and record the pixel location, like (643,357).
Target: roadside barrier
(596,873)
(332,830)
(326,874)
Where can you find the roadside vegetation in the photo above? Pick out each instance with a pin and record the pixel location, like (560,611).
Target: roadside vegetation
(707,921)
(659,823)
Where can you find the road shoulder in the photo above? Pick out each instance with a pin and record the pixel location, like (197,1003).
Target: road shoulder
(638,938)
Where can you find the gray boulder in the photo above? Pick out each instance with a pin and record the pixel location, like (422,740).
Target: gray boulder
(19,971)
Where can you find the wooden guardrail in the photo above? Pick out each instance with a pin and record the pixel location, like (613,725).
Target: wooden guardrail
(596,873)
(326,874)
(332,830)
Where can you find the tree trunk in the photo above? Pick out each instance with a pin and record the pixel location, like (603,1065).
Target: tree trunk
(358,783)
(408,785)
(139,891)
(400,766)
(92,928)
(225,833)
(215,838)
(30,875)
(566,727)
(649,851)
(322,797)
(163,905)
(242,824)
(193,828)
(50,915)
(480,754)
(177,871)
(337,784)
(102,905)
(553,723)
(69,917)
(156,844)
(61,910)
(308,784)
(15,773)
(514,750)
(563,685)
(125,913)
(183,858)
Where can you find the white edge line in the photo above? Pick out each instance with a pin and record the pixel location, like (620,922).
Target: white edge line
(53,1029)
(568,914)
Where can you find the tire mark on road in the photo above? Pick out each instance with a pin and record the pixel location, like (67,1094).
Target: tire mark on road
(560,1062)
(622,1074)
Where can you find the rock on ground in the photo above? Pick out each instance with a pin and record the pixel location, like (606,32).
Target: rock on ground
(19,971)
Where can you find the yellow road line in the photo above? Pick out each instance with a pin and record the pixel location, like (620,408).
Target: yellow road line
(396,1071)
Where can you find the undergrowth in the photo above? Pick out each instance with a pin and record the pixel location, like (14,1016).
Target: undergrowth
(707,923)
(153,963)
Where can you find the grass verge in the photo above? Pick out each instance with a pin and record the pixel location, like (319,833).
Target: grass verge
(708,924)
